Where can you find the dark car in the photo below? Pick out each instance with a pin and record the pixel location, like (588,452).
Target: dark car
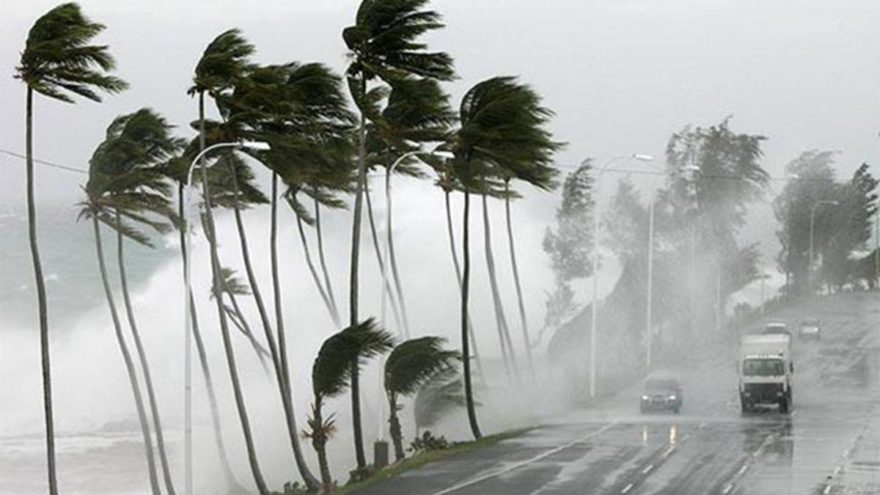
(810,328)
(661,394)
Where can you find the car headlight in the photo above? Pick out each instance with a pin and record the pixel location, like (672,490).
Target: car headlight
(645,397)
(672,397)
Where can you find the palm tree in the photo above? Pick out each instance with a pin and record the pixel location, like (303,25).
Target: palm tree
(384,43)
(410,366)
(416,112)
(501,128)
(111,191)
(222,63)
(176,169)
(59,62)
(332,374)
(300,108)
(446,181)
(135,145)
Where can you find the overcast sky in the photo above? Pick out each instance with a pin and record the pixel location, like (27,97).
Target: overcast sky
(621,75)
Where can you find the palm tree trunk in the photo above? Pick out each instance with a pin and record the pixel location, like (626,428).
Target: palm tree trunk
(331,308)
(319,442)
(327,285)
(395,309)
(392,260)
(145,365)
(395,430)
(45,364)
(500,320)
(465,292)
(203,357)
(129,365)
(237,317)
(452,250)
(303,468)
(279,359)
(224,326)
(519,296)
(353,285)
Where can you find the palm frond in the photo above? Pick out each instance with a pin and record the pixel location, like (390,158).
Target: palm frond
(331,372)
(58,60)
(414,362)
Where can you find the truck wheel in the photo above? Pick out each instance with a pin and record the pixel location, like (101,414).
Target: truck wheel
(783,405)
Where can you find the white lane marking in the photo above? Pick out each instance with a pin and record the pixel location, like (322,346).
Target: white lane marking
(648,469)
(727,488)
(669,451)
(827,490)
(515,466)
(742,469)
(627,488)
(836,471)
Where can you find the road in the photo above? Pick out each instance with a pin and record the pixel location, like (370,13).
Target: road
(830,444)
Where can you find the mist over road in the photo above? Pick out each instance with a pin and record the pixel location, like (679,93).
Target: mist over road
(829,444)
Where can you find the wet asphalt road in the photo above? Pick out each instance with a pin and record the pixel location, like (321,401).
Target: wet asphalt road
(830,444)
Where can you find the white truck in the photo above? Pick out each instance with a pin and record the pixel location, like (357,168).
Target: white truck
(765,371)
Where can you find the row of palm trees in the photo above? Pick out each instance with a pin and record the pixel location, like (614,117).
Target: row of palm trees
(318,149)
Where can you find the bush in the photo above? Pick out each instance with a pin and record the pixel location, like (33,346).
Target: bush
(428,442)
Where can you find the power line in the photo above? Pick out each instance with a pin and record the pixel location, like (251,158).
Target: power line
(46,163)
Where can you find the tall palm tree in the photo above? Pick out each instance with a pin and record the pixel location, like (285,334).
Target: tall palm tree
(501,125)
(59,62)
(111,191)
(384,43)
(223,62)
(332,374)
(416,112)
(410,366)
(446,182)
(300,108)
(136,144)
(177,169)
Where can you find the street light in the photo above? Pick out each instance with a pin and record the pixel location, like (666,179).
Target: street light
(187,393)
(812,220)
(595,305)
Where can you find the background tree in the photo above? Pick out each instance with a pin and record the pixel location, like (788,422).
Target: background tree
(331,375)
(437,398)
(383,43)
(58,61)
(569,244)
(411,365)
(811,180)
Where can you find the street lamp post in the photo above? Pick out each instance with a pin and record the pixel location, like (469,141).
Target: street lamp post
(188,337)
(380,448)
(812,220)
(595,304)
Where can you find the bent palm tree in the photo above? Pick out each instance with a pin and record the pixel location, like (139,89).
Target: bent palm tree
(501,125)
(332,374)
(59,62)
(222,63)
(177,169)
(135,145)
(410,366)
(383,42)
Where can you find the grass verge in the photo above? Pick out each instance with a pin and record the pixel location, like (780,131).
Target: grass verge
(423,458)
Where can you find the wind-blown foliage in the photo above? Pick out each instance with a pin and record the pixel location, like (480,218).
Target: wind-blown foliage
(332,374)
(411,365)
(501,134)
(58,61)
(384,43)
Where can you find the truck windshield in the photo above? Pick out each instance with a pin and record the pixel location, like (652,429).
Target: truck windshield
(763,367)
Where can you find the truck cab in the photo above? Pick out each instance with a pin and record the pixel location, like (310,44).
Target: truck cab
(765,370)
